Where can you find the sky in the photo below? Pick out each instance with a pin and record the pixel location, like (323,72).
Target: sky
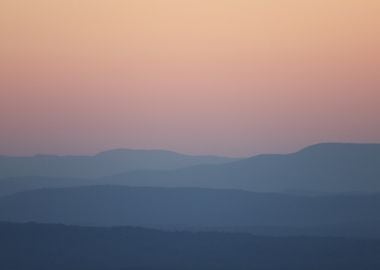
(225,77)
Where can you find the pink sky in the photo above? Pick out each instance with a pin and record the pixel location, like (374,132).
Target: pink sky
(221,77)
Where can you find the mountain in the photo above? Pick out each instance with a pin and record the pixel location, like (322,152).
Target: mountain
(318,169)
(168,207)
(100,165)
(58,247)
(342,168)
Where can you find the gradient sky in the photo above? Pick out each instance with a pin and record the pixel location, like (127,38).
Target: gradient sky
(231,77)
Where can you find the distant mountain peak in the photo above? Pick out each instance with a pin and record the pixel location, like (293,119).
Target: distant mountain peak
(340,147)
(106,163)
(128,151)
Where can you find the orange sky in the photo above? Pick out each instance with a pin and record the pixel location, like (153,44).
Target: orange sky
(231,77)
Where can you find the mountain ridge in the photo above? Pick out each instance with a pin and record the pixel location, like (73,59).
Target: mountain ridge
(317,169)
(26,246)
(103,164)
(330,167)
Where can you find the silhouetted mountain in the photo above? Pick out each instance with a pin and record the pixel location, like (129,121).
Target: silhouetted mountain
(168,207)
(102,164)
(316,169)
(58,247)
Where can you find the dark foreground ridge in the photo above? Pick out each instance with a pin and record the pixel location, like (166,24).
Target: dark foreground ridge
(45,247)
